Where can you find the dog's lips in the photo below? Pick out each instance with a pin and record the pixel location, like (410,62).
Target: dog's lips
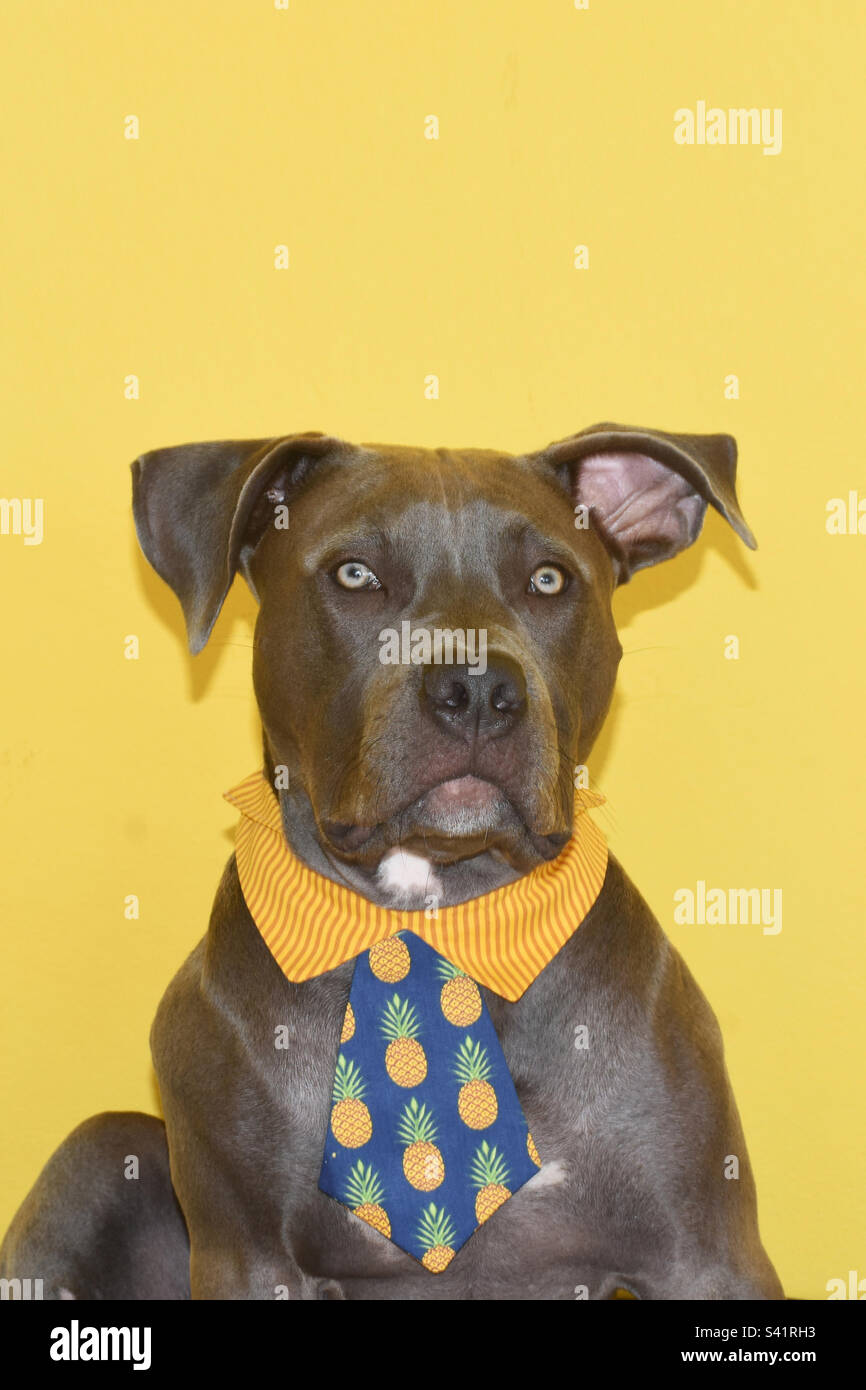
(457,808)
(460,817)
(450,821)
(348,838)
(460,794)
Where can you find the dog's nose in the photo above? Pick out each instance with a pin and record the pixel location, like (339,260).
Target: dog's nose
(472,705)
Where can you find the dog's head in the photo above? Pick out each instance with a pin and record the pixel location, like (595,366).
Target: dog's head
(435,651)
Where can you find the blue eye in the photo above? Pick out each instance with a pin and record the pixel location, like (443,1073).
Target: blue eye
(547,579)
(354,574)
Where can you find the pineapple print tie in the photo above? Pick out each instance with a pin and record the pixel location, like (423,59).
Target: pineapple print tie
(426,1137)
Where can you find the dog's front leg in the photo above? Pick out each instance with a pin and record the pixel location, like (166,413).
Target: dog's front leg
(231,1270)
(234,1140)
(695,1168)
(692,1275)
(239,1215)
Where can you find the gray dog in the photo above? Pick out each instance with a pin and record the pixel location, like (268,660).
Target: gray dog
(404,780)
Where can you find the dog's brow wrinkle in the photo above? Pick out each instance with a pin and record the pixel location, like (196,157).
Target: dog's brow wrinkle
(440,458)
(347,539)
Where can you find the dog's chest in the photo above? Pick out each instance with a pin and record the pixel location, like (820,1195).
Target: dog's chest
(275,1059)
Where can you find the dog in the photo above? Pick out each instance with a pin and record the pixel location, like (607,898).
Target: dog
(407,783)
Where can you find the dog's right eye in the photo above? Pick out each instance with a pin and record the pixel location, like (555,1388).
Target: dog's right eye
(354,574)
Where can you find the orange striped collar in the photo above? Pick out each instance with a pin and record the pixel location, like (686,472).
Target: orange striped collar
(503,939)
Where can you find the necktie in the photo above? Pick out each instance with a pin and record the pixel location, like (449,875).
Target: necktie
(427,1137)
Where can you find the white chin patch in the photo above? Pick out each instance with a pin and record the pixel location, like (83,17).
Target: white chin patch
(407,878)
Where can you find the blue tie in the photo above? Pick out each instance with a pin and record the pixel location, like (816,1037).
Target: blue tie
(427,1137)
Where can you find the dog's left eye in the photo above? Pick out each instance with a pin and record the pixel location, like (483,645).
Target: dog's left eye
(547,579)
(354,574)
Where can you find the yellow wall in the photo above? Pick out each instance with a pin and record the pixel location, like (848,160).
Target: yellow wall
(410,256)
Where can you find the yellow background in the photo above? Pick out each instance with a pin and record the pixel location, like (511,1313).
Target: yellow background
(454,257)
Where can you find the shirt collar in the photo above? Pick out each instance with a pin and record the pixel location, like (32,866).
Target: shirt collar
(503,939)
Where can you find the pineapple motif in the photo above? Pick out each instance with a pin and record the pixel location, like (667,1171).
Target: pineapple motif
(489,1174)
(389,960)
(423,1164)
(477,1101)
(350,1118)
(364,1194)
(460,998)
(532,1150)
(435,1234)
(405,1059)
(348,1024)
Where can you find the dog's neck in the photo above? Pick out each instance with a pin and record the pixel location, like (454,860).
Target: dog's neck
(402,880)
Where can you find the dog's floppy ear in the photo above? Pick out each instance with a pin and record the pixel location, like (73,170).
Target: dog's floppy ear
(200,510)
(647,491)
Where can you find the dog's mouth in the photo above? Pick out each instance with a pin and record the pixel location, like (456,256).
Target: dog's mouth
(453,820)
